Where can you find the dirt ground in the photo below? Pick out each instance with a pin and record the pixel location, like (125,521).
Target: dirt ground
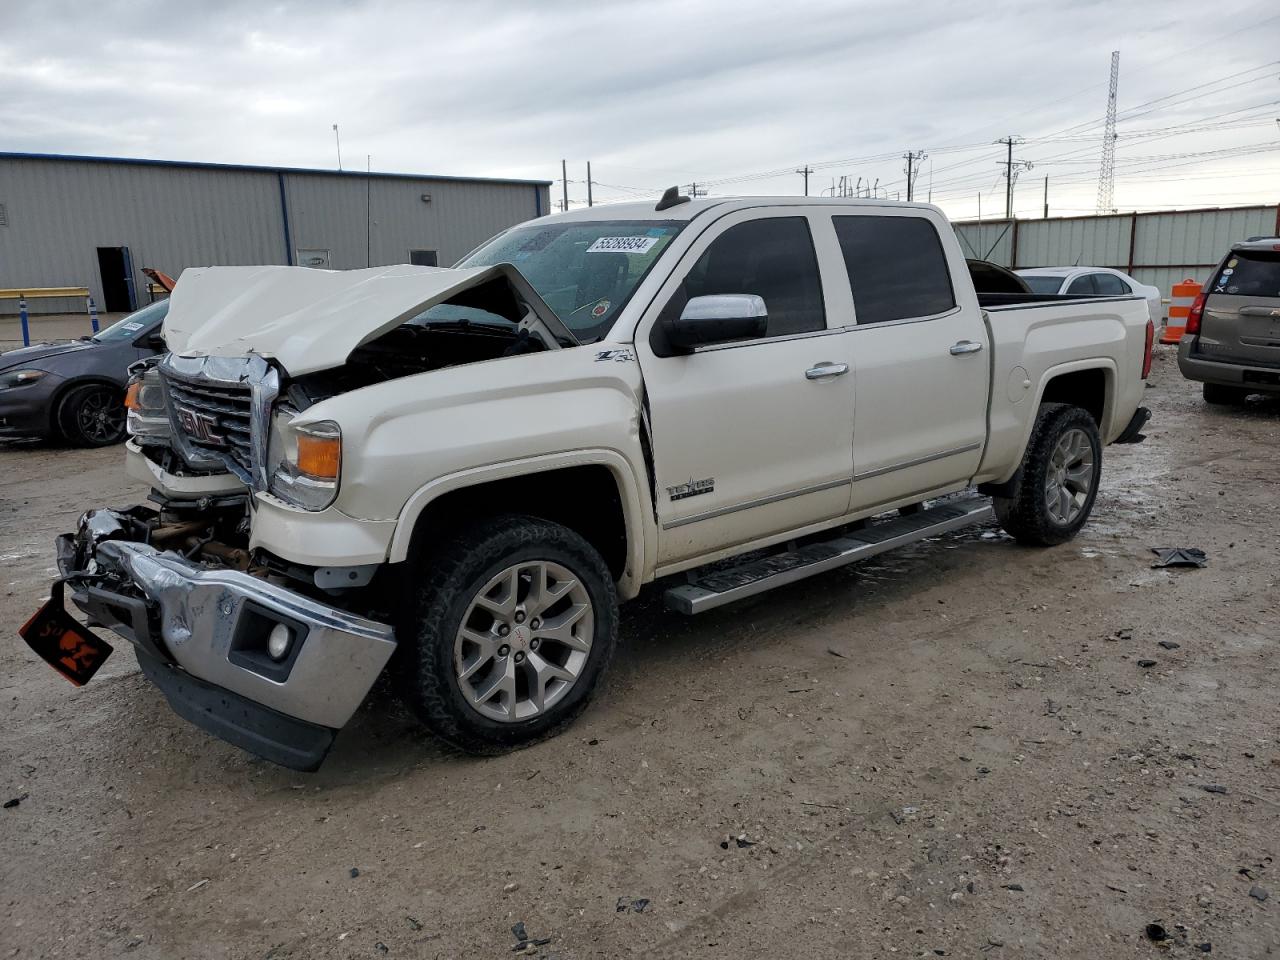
(951,751)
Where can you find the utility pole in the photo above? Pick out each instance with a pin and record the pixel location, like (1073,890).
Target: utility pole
(564,185)
(805,171)
(912,169)
(1011,168)
(588,183)
(1107,172)
(338,143)
(1046,197)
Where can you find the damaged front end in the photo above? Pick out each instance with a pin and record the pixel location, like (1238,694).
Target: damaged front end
(235,650)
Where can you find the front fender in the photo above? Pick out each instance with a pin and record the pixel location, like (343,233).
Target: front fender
(633,493)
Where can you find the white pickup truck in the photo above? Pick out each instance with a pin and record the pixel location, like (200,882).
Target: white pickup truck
(456,475)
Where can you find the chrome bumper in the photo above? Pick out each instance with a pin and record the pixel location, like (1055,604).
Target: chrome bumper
(214,623)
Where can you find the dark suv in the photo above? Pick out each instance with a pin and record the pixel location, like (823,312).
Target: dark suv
(1232,341)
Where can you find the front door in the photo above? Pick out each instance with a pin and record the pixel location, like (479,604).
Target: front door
(752,438)
(921,359)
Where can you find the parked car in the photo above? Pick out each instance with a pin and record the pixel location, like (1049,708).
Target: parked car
(75,391)
(456,474)
(1232,340)
(1092,282)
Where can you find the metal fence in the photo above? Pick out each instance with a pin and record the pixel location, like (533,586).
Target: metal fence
(1159,248)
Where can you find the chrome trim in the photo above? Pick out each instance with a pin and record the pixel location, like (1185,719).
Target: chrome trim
(264,386)
(881,471)
(738,345)
(198,616)
(826,371)
(962,347)
(950,311)
(760,502)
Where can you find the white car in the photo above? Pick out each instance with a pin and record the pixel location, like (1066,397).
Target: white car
(1092,282)
(455,475)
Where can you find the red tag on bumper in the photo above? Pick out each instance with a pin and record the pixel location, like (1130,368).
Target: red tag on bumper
(63,643)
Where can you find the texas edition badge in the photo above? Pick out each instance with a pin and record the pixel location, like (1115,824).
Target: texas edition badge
(63,643)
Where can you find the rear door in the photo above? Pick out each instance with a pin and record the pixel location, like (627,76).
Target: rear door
(1241,320)
(921,358)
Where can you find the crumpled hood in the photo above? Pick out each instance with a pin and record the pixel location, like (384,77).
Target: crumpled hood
(310,319)
(24,356)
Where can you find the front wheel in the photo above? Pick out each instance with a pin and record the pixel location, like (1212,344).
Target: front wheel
(92,416)
(1060,474)
(510,629)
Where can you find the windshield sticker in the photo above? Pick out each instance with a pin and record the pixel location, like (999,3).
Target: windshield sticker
(600,309)
(130,326)
(1227,272)
(1219,289)
(623,245)
(1233,289)
(1232,262)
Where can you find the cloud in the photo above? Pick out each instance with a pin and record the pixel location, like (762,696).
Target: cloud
(651,93)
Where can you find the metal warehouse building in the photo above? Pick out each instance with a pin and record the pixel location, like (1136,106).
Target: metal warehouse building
(94,222)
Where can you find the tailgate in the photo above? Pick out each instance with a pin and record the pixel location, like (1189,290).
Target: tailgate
(1241,321)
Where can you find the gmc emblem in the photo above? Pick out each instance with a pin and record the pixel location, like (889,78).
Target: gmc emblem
(201,427)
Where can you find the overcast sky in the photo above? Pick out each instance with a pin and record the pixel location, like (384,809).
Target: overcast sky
(655,93)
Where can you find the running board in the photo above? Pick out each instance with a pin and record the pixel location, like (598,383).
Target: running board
(756,576)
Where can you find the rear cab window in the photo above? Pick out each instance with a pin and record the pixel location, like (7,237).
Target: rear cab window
(897,268)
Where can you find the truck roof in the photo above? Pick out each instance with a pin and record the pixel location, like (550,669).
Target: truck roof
(645,210)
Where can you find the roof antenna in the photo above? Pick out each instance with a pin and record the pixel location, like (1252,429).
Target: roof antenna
(672,198)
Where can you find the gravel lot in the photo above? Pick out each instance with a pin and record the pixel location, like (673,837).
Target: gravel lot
(952,750)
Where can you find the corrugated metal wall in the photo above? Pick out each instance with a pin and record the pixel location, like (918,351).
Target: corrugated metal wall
(59,211)
(1156,248)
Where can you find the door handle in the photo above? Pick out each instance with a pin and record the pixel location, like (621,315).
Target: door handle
(825,371)
(965,346)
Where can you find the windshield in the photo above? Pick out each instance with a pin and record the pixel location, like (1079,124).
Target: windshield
(132,326)
(585,271)
(1042,284)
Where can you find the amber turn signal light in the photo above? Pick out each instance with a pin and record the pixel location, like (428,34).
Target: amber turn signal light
(131,395)
(319,456)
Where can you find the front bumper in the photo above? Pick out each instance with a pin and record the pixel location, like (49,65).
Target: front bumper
(28,411)
(1256,379)
(201,635)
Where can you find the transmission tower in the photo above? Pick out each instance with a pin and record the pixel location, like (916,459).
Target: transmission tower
(1107,172)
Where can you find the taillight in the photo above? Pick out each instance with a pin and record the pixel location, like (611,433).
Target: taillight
(1146,350)
(1193,317)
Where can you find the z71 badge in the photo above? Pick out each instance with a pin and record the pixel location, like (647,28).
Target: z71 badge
(691,488)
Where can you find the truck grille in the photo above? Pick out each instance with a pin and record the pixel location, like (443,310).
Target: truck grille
(214,418)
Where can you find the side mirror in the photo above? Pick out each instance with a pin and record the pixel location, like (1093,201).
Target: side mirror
(717,319)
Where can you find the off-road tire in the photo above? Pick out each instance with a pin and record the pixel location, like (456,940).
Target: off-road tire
(1220,395)
(443,581)
(1025,515)
(74,408)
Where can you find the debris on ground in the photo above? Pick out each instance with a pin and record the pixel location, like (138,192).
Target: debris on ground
(1213,788)
(632,905)
(355,872)
(1146,664)
(525,943)
(1258,893)
(741,840)
(1015,887)
(1179,557)
(1168,644)
(10,804)
(1124,633)
(1156,933)
(1204,947)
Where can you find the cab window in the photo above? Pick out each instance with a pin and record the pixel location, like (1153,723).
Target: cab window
(772,258)
(897,268)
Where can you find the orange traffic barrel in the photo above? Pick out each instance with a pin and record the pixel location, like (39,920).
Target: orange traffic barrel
(1184,294)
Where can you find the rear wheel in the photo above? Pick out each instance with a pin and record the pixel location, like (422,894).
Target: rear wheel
(92,416)
(509,632)
(1216,393)
(1059,482)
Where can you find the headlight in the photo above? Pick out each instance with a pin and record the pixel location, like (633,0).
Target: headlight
(148,419)
(19,378)
(306,461)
